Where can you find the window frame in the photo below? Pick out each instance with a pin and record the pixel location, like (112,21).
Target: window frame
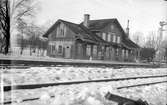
(104,36)
(118,39)
(61,30)
(109,37)
(60,51)
(112,27)
(114,38)
(88,50)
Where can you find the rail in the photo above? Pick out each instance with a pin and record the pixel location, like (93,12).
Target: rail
(123,99)
(34,86)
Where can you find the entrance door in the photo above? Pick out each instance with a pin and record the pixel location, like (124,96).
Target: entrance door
(67,52)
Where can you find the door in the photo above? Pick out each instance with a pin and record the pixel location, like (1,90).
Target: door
(67,52)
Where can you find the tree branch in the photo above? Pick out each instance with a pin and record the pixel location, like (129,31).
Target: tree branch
(24,13)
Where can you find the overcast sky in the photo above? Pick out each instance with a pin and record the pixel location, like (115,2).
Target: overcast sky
(144,15)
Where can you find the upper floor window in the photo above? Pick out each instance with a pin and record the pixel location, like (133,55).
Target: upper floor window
(112,27)
(109,37)
(58,28)
(61,29)
(114,38)
(98,34)
(104,36)
(118,39)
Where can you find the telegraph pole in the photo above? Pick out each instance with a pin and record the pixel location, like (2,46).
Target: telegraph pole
(162,24)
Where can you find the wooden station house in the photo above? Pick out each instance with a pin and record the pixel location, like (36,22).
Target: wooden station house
(102,39)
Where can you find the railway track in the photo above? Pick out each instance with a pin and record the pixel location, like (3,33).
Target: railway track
(131,86)
(34,86)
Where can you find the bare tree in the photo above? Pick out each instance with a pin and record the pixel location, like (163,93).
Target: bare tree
(21,11)
(12,13)
(23,43)
(153,41)
(138,38)
(35,40)
(5,24)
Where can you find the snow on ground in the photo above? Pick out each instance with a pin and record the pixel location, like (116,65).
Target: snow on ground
(84,94)
(35,75)
(92,94)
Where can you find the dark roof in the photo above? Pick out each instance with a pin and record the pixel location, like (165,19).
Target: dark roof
(95,25)
(99,24)
(82,32)
(85,33)
(129,43)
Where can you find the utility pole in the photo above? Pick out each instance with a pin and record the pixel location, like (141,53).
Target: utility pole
(162,24)
(166,54)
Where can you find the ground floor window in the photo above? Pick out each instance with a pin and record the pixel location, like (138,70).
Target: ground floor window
(107,52)
(52,49)
(117,51)
(99,54)
(60,49)
(88,50)
(94,50)
(79,49)
(127,53)
(123,52)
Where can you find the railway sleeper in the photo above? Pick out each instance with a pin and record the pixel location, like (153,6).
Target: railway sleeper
(124,101)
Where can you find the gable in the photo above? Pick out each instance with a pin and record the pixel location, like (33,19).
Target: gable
(59,30)
(72,31)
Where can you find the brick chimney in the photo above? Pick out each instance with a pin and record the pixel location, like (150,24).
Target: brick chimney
(127,29)
(86,20)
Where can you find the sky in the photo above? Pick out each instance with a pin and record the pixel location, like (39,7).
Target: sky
(144,15)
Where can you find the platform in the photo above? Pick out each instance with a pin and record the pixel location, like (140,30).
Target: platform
(32,60)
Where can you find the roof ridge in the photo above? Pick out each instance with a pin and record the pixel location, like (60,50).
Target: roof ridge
(104,19)
(67,21)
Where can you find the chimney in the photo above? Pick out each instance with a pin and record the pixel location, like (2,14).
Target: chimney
(127,29)
(86,20)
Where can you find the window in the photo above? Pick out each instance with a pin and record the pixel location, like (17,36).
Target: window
(126,53)
(117,52)
(112,27)
(123,52)
(94,50)
(88,50)
(58,31)
(109,37)
(60,49)
(114,38)
(118,39)
(98,34)
(107,52)
(61,30)
(52,49)
(104,36)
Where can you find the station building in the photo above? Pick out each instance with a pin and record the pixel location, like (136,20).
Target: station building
(102,39)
